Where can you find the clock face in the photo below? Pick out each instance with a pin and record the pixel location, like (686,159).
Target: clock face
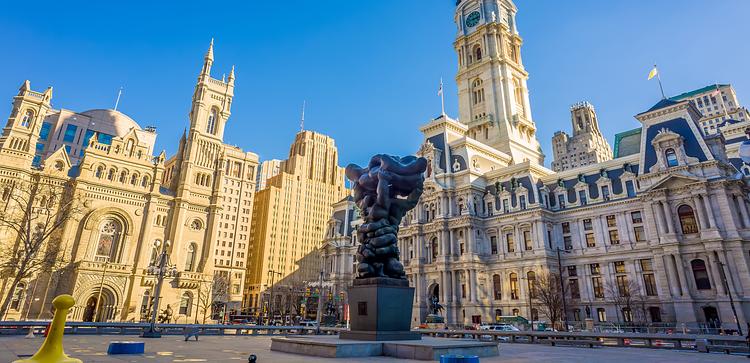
(473,19)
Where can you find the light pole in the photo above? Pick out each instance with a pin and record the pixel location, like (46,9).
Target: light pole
(731,299)
(161,271)
(270,300)
(319,313)
(531,307)
(562,287)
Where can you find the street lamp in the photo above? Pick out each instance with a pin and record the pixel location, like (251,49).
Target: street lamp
(731,299)
(531,307)
(270,300)
(161,270)
(562,287)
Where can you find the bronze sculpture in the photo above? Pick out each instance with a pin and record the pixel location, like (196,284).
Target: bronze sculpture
(384,191)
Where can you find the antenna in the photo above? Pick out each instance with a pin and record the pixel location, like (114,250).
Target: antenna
(117,103)
(302,121)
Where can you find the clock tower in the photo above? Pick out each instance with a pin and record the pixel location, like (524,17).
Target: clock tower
(492,93)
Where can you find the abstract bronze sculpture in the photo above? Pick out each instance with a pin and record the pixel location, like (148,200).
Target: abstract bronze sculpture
(384,191)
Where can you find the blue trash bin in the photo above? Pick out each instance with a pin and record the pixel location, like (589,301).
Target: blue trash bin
(125,348)
(454,358)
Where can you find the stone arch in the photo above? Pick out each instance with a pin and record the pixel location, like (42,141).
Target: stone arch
(86,297)
(92,222)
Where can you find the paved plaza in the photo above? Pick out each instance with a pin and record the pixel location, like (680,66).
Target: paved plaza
(92,349)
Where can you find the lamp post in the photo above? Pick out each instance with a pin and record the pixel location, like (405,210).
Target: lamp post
(161,271)
(731,299)
(101,288)
(270,300)
(562,288)
(531,307)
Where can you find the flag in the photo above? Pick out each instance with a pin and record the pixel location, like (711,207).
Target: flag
(654,72)
(440,90)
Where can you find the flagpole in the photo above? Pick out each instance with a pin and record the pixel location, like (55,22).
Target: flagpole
(661,87)
(442,97)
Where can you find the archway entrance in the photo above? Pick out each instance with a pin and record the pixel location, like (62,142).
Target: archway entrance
(106,307)
(712,317)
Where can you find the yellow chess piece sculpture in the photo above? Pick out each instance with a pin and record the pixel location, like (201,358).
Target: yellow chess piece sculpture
(51,350)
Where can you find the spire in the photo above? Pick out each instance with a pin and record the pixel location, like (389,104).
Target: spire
(231,75)
(208,60)
(302,121)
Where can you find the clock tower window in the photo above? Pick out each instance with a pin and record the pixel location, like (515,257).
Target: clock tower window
(211,124)
(478,52)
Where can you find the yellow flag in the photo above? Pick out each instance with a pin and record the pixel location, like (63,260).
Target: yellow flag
(654,72)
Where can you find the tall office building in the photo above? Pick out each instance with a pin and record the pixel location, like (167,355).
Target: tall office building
(586,146)
(290,215)
(718,105)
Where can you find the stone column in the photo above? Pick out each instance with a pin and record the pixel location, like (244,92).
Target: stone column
(456,280)
(470,240)
(700,212)
(681,274)
(445,241)
(709,211)
(743,211)
(474,281)
(443,287)
(668,215)
(672,278)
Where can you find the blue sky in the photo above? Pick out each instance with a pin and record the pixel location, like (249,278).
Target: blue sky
(362,66)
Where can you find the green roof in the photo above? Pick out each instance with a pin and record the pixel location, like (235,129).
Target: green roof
(627,143)
(690,94)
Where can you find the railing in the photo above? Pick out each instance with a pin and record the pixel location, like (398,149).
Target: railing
(113,328)
(662,341)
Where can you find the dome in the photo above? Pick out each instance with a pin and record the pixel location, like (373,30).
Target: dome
(110,122)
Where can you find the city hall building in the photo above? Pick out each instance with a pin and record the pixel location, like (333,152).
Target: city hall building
(132,202)
(664,221)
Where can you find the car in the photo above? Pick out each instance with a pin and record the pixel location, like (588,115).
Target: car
(308,323)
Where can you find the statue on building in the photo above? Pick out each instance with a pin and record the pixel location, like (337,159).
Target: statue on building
(384,191)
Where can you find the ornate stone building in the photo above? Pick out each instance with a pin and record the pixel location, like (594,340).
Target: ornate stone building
(133,202)
(289,220)
(586,146)
(668,223)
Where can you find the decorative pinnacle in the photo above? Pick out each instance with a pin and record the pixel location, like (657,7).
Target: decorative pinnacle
(231,75)
(210,52)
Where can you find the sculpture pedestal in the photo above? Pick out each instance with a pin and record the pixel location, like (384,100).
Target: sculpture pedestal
(380,309)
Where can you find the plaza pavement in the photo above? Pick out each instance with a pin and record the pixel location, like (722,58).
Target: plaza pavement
(92,349)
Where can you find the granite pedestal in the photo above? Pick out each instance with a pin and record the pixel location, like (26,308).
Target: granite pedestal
(426,349)
(380,310)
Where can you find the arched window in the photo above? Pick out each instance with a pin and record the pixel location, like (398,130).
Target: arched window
(190,258)
(146,303)
(531,278)
(700,274)
(211,122)
(134,179)
(99,172)
(129,146)
(15,302)
(123,176)
(6,193)
(514,286)
(687,219)
(26,120)
(478,53)
(153,259)
(111,174)
(109,239)
(671,157)
(185,304)
(497,287)
(144,182)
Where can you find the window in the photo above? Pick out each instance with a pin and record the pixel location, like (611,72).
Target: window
(514,286)
(109,237)
(582,197)
(478,53)
(572,271)
(630,187)
(622,285)
(596,283)
(493,244)
(531,279)
(627,315)
(687,219)
(70,133)
(605,192)
(506,206)
(636,217)
(587,225)
(568,241)
(211,122)
(700,274)
(511,242)
(601,314)
(671,157)
(566,227)
(561,201)
(655,313)
(575,291)
(611,221)
(44,132)
(595,269)
(527,240)
(190,258)
(614,237)
(26,120)
(185,304)
(497,287)
(522,202)
(15,302)
(435,247)
(590,240)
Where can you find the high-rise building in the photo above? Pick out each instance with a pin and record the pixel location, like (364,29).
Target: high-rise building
(290,215)
(586,146)
(718,105)
(133,203)
(268,169)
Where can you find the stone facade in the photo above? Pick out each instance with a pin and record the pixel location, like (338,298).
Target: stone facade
(289,220)
(587,145)
(669,223)
(718,105)
(133,202)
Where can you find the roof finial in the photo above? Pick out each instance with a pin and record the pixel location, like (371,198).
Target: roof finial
(210,52)
(231,75)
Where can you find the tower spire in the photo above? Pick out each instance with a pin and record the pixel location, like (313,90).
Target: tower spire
(302,121)
(231,75)
(208,60)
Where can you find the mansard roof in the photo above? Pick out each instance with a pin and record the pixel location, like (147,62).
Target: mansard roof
(686,95)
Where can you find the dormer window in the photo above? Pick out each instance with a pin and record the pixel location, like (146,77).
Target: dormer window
(582,197)
(605,192)
(671,157)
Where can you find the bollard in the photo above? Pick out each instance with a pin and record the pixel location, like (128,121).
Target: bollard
(51,350)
